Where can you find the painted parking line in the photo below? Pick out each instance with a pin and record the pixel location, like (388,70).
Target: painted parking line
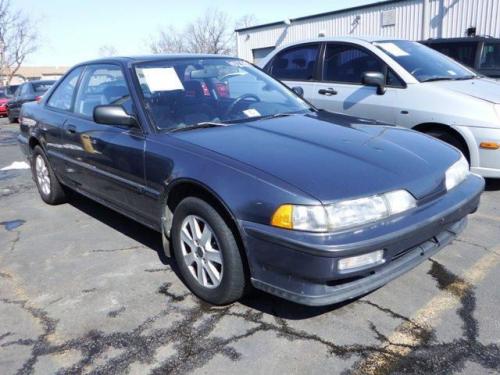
(403,339)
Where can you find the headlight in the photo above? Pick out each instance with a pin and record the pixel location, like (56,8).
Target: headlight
(457,173)
(343,214)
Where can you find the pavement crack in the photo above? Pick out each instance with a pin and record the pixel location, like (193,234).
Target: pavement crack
(115,250)
(424,355)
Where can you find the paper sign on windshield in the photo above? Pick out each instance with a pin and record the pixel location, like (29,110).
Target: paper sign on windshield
(162,79)
(393,49)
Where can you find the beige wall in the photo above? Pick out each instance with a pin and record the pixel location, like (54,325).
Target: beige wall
(29,73)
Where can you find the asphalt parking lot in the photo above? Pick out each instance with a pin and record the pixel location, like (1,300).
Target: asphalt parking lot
(85,290)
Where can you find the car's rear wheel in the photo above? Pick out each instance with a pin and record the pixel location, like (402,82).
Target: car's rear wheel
(49,188)
(207,253)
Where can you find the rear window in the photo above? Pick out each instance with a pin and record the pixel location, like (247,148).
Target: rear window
(42,87)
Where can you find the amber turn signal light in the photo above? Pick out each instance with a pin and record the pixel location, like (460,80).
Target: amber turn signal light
(282,218)
(490,145)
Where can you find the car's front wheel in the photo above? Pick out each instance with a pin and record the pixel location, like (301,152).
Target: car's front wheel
(49,188)
(207,253)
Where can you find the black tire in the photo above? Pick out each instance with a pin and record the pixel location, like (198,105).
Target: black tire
(12,119)
(56,195)
(233,281)
(452,140)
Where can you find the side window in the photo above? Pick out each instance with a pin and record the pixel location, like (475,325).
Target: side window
(101,85)
(62,97)
(298,63)
(392,79)
(345,63)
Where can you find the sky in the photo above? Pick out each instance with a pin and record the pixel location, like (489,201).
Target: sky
(71,31)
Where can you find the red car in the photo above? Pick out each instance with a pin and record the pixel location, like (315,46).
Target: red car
(4,99)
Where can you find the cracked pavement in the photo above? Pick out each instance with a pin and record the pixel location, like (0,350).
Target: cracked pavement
(85,290)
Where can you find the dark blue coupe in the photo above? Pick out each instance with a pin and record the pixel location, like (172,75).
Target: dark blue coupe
(247,183)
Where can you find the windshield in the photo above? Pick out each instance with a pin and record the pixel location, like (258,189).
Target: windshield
(186,92)
(424,63)
(490,58)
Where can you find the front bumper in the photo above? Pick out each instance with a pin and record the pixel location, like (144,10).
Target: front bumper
(302,267)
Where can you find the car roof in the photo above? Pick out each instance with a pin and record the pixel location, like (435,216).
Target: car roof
(152,58)
(41,80)
(352,39)
(462,39)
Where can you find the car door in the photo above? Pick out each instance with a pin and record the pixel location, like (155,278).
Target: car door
(297,67)
(58,106)
(109,158)
(341,88)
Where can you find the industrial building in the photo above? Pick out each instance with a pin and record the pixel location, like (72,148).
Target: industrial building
(407,19)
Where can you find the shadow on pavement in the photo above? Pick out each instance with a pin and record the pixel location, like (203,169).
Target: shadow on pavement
(121,223)
(255,299)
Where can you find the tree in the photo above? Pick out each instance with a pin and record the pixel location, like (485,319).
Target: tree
(168,41)
(211,32)
(247,20)
(107,50)
(18,39)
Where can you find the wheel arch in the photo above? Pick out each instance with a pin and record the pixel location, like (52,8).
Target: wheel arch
(465,139)
(185,187)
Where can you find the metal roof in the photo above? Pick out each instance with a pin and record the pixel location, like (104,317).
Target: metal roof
(386,2)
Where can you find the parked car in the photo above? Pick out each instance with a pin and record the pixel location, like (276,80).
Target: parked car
(245,180)
(11,90)
(479,53)
(398,82)
(26,92)
(4,99)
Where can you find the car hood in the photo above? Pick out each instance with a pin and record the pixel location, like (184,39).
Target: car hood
(332,156)
(482,88)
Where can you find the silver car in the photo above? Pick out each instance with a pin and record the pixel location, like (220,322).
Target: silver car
(398,82)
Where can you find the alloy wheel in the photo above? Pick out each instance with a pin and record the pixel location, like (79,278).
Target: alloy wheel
(42,175)
(201,251)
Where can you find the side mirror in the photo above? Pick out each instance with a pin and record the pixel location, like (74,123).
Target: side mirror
(113,115)
(298,90)
(375,79)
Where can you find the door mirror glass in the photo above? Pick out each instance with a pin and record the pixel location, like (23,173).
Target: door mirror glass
(298,90)
(375,79)
(113,115)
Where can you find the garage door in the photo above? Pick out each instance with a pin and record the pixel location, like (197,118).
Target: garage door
(260,53)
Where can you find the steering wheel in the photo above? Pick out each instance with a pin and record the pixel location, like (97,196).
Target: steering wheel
(238,100)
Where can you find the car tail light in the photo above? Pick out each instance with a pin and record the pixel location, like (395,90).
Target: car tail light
(38,98)
(222,90)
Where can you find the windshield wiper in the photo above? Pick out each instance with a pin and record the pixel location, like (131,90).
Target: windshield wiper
(432,79)
(464,78)
(200,125)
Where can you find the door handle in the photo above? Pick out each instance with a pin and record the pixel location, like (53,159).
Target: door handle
(71,129)
(328,92)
